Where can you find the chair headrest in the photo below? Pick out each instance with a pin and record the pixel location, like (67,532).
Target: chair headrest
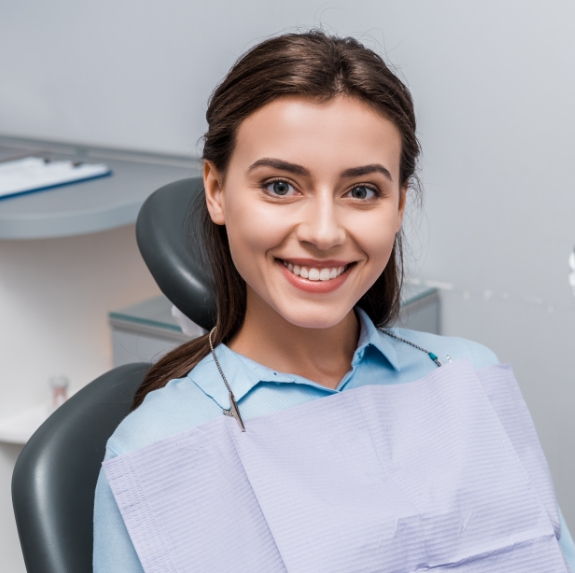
(173,250)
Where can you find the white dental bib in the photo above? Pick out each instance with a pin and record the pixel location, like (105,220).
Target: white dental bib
(445,473)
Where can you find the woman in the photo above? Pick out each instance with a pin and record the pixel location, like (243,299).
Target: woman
(309,155)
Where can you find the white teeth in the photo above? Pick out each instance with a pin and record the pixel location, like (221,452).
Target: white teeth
(314,274)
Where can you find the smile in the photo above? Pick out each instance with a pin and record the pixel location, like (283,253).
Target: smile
(315,274)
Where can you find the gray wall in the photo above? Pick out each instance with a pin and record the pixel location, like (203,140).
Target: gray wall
(494,89)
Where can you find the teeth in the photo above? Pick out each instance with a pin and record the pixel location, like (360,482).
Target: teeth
(313,274)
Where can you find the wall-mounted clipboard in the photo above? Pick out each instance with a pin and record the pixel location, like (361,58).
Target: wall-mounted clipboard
(32,174)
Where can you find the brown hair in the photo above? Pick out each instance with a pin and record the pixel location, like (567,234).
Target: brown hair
(313,65)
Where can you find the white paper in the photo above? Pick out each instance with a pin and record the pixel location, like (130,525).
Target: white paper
(445,473)
(33,173)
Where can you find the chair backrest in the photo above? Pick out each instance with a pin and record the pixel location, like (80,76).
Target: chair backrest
(173,249)
(55,476)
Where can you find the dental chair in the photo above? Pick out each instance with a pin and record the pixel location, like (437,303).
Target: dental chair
(55,476)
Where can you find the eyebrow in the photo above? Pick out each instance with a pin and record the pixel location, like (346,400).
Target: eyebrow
(300,170)
(279,164)
(366,170)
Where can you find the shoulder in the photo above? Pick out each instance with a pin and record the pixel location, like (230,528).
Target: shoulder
(443,346)
(175,408)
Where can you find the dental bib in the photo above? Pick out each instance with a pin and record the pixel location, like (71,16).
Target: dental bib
(445,473)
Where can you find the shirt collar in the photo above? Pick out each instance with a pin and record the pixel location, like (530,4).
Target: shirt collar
(241,373)
(244,374)
(370,335)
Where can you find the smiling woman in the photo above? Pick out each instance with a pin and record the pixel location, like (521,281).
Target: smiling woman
(307,188)
(324,121)
(402,466)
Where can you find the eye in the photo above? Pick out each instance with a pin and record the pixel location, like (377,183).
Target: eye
(362,192)
(279,188)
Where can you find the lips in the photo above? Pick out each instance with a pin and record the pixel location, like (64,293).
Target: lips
(312,273)
(314,283)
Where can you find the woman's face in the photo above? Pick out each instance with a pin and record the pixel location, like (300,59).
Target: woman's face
(312,202)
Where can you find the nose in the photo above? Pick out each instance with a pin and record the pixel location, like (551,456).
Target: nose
(320,225)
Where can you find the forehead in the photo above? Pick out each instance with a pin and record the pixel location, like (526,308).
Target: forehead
(333,135)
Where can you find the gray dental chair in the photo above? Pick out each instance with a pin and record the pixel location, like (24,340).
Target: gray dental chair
(55,476)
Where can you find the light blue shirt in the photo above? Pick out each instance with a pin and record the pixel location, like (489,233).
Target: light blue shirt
(201,395)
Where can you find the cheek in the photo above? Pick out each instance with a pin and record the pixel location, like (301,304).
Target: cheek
(375,236)
(252,232)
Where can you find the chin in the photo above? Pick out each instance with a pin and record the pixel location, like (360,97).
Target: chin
(320,318)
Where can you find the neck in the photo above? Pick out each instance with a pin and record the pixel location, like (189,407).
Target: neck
(320,354)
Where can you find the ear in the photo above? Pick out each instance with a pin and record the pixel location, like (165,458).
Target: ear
(213,187)
(401,206)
